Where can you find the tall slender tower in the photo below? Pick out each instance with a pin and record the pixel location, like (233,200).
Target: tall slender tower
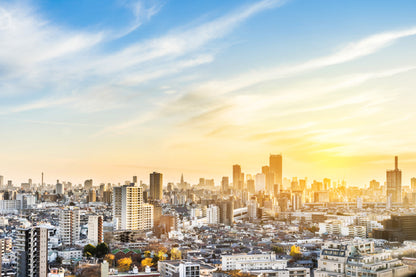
(156,186)
(394,182)
(32,250)
(236,176)
(275,163)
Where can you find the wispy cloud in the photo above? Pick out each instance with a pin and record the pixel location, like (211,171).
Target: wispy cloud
(350,52)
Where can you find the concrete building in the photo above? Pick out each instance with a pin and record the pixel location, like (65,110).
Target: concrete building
(394,183)
(178,268)
(156,186)
(213,214)
(69,225)
(249,262)
(95,229)
(32,248)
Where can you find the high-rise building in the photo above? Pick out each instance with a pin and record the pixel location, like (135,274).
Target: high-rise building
(88,184)
(129,210)
(117,207)
(236,176)
(92,195)
(394,182)
(224,184)
(95,229)
(226,212)
(1,182)
(269,178)
(69,225)
(213,214)
(59,188)
(275,164)
(131,204)
(260,182)
(32,248)
(156,186)
(413,184)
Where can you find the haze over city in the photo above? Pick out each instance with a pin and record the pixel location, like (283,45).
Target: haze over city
(104,91)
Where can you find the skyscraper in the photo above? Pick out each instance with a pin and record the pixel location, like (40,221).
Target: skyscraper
(413,184)
(32,248)
(224,184)
(394,183)
(1,182)
(156,186)
(275,162)
(117,207)
(130,211)
(59,188)
(95,229)
(69,225)
(236,176)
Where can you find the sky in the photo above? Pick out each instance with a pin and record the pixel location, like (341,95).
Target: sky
(108,89)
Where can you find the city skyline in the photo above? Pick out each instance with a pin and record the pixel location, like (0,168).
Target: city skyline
(131,87)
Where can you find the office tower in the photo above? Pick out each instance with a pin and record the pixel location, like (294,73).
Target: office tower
(252,208)
(156,186)
(1,182)
(32,248)
(327,184)
(226,212)
(236,176)
(413,184)
(95,229)
(117,196)
(374,185)
(394,182)
(269,178)
(59,188)
(69,225)
(297,200)
(398,228)
(251,186)
(224,184)
(134,179)
(92,195)
(275,163)
(260,182)
(88,184)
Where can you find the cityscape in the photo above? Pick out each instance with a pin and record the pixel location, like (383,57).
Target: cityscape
(238,138)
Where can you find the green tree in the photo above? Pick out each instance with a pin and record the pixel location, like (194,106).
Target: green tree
(89,250)
(102,250)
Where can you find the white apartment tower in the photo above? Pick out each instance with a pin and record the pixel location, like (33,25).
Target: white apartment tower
(69,225)
(95,229)
(213,214)
(129,211)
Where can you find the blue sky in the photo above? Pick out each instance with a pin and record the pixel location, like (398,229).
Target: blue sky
(110,89)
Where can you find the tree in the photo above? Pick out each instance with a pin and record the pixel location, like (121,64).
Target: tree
(58,260)
(101,250)
(147,254)
(278,249)
(89,250)
(295,252)
(124,264)
(175,254)
(110,259)
(147,262)
(161,255)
